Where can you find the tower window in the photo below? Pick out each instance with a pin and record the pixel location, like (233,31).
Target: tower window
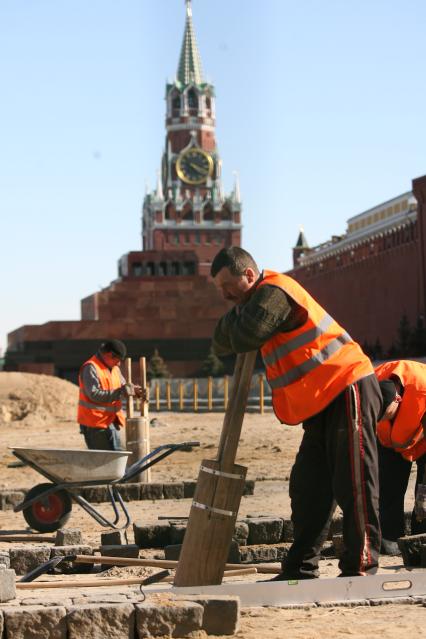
(208,213)
(137,269)
(192,100)
(188,268)
(175,270)
(175,105)
(162,268)
(188,213)
(150,268)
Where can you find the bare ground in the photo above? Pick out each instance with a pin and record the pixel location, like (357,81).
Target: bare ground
(267,449)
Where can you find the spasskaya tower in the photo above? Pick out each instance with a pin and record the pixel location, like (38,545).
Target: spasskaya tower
(188,209)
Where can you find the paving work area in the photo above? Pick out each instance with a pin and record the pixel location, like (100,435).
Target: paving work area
(268,450)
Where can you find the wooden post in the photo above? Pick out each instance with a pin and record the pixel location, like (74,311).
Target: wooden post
(130,406)
(157,395)
(181,395)
(220,485)
(195,390)
(209,393)
(168,396)
(137,431)
(225,392)
(261,395)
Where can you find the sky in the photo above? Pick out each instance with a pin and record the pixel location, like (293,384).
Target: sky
(320,108)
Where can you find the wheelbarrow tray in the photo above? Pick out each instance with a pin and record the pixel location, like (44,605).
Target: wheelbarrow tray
(76,465)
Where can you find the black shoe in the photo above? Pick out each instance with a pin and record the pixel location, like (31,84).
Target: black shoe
(282,576)
(389,547)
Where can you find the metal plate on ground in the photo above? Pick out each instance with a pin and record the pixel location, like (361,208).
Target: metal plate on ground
(338,590)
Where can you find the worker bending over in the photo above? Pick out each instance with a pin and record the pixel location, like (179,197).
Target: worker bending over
(402,440)
(102,389)
(321,377)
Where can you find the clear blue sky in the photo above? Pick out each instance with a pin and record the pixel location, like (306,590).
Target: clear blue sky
(320,107)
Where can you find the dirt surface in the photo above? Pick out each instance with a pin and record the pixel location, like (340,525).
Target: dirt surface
(39,411)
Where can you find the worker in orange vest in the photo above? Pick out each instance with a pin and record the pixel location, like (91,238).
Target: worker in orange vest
(102,389)
(321,377)
(401,432)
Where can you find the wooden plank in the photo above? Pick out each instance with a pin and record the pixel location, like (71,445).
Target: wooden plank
(218,493)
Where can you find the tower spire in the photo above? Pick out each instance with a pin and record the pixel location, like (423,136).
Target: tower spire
(189,69)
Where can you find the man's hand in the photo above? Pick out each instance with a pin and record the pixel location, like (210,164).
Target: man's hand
(134,390)
(420,504)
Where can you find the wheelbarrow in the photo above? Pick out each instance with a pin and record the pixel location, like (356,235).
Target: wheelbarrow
(47,507)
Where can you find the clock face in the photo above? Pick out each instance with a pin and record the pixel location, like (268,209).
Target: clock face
(194,166)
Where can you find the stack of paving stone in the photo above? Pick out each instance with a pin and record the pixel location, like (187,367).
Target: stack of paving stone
(122,615)
(129,492)
(256,538)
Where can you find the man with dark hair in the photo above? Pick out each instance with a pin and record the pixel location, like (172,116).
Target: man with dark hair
(102,388)
(401,432)
(319,377)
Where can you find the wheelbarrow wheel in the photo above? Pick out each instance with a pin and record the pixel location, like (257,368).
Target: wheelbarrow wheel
(49,513)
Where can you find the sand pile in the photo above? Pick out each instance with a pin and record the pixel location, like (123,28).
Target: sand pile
(34,400)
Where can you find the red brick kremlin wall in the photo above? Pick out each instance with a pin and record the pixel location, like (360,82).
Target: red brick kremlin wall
(368,289)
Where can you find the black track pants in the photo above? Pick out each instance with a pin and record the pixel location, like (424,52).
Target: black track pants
(394,475)
(337,462)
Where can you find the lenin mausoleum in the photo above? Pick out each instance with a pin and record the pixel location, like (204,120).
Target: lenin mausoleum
(372,278)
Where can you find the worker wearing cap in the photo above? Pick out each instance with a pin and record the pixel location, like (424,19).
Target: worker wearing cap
(321,377)
(102,389)
(401,432)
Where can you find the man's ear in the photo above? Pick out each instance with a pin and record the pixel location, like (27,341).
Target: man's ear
(250,275)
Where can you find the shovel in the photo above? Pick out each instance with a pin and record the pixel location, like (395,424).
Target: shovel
(218,494)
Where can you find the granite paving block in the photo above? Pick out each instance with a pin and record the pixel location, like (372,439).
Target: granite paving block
(249,487)
(95,494)
(10,498)
(151,491)
(4,559)
(7,584)
(288,530)
(69,537)
(241,533)
(155,536)
(180,619)
(177,533)
(265,530)
(130,492)
(173,490)
(36,622)
(189,489)
(221,613)
(411,548)
(101,621)
(26,558)
(112,538)
(71,567)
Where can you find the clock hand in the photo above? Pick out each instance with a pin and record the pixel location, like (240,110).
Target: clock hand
(195,166)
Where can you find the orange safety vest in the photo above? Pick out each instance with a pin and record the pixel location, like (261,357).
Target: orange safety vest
(309,366)
(405,434)
(100,415)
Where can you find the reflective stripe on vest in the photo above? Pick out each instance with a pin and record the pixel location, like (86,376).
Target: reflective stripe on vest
(108,409)
(300,340)
(322,356)
(309,366)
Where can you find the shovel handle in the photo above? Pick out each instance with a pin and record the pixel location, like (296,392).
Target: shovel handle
(234,415)
(128,364)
